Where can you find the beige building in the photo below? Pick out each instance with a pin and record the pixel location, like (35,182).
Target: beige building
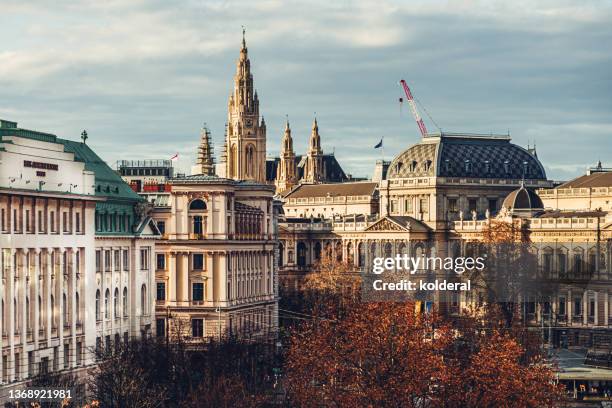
(215,271)
(331,200)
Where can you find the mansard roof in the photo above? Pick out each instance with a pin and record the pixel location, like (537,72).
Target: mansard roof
(333,190)
(466,155)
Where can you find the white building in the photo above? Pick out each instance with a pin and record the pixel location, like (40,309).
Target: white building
(76,252)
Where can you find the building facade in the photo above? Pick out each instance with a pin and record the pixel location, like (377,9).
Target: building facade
(215,271)
(55,202)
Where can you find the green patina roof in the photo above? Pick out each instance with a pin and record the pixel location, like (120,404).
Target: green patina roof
(108,183)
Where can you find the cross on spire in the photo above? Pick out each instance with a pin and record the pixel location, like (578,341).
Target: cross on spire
(84,136)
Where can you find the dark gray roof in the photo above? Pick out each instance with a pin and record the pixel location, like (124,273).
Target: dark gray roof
(475,156)
(333,171)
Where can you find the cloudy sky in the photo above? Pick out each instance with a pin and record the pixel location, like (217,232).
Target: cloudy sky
(143,76)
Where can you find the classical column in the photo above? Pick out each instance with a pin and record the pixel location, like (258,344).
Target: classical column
(59,277)
(171,278)
(48,291)
(73,305)
(21,304)
(184,281)
(209,276)
(10,305)
(37,281)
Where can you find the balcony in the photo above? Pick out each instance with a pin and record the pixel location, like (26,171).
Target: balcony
(577,319)
(196,236)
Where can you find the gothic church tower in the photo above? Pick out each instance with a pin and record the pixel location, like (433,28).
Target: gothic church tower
(313,169)
(246,135)
(286,175)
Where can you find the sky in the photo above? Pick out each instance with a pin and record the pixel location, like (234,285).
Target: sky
(143,76)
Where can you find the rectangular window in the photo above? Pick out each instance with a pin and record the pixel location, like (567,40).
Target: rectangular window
(126,260)
(144,259)
(117,257)
(161,225)
(107,260)
(577,306)
(65,221)
(52,220)
(472,204)
(77,222)
(78,352)
(15,221)
(424,205)
(98,261)
(197,327)
(161,291)
(197,292)
(408,205)
(3,220)
(561,265)
(27,221)
(198,261)
(492,205)
(17,366)
(161,262)
(160,327)
(562,306)
(452,205)
(591,307)
(40,222)
(547,264)
(66,355)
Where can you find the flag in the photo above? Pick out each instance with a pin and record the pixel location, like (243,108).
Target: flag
(174,158)
(379,144)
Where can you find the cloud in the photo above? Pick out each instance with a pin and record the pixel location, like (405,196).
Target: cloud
(142,76)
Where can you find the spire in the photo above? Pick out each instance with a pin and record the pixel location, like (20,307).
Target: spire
(205,160)
(243,38)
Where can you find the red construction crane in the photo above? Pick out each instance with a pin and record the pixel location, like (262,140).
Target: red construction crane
(413,107)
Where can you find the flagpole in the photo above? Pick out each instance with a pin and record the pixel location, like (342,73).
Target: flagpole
(383,148)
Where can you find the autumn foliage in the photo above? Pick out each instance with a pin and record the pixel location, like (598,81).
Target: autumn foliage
(385,355)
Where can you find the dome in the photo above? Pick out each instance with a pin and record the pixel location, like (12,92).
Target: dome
(466,155)
(523,199)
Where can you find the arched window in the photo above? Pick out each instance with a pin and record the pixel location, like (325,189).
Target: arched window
(361,259)
(143,300)
(198,205)
(234,162)
(65,308)
(388,250)
(28,313)
(52,311)
(281,249)
(107,304)
(250,160)
(349,252)
(77,308)
(116,304)
(317,251)
(301,254)
(40,313)
(125,302)
(339,251)
(98,317)
(16,315)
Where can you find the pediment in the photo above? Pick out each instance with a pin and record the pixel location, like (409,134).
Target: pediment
(387,224)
